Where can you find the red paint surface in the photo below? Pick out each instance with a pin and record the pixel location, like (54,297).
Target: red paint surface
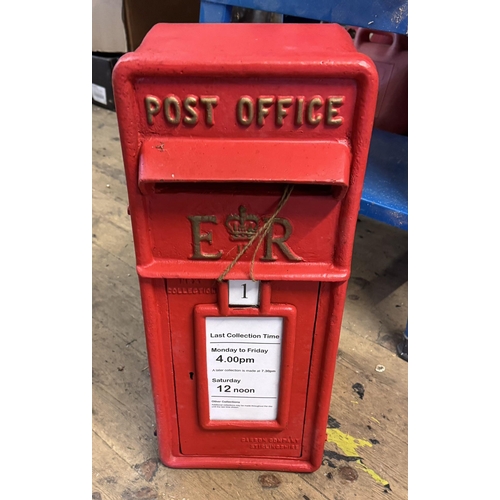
(179,171)
(198,160)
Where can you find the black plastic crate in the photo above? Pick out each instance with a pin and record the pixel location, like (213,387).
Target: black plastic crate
(102,69)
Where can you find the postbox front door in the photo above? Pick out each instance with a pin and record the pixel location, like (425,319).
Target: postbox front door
(244,177)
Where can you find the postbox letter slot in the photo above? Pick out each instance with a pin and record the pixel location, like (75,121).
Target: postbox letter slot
(178,160)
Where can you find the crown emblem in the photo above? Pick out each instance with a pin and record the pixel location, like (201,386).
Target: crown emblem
(242,226)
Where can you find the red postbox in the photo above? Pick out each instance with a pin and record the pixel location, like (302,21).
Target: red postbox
(245,148)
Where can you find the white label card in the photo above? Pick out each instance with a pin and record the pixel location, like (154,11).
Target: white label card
(99,93)
(243,293)
(243,367)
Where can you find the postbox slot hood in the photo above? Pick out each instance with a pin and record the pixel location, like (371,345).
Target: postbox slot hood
(174,160)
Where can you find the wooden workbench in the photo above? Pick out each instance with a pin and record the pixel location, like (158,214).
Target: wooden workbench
(366,455)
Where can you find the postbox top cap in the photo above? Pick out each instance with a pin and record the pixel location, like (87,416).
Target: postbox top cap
(246,44)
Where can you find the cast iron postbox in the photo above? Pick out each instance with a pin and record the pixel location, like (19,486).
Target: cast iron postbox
(245,148)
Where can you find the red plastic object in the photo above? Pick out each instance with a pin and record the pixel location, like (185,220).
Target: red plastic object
(389,52)
(216,123)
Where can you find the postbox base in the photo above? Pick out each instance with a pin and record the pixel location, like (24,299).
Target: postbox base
(264,463)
